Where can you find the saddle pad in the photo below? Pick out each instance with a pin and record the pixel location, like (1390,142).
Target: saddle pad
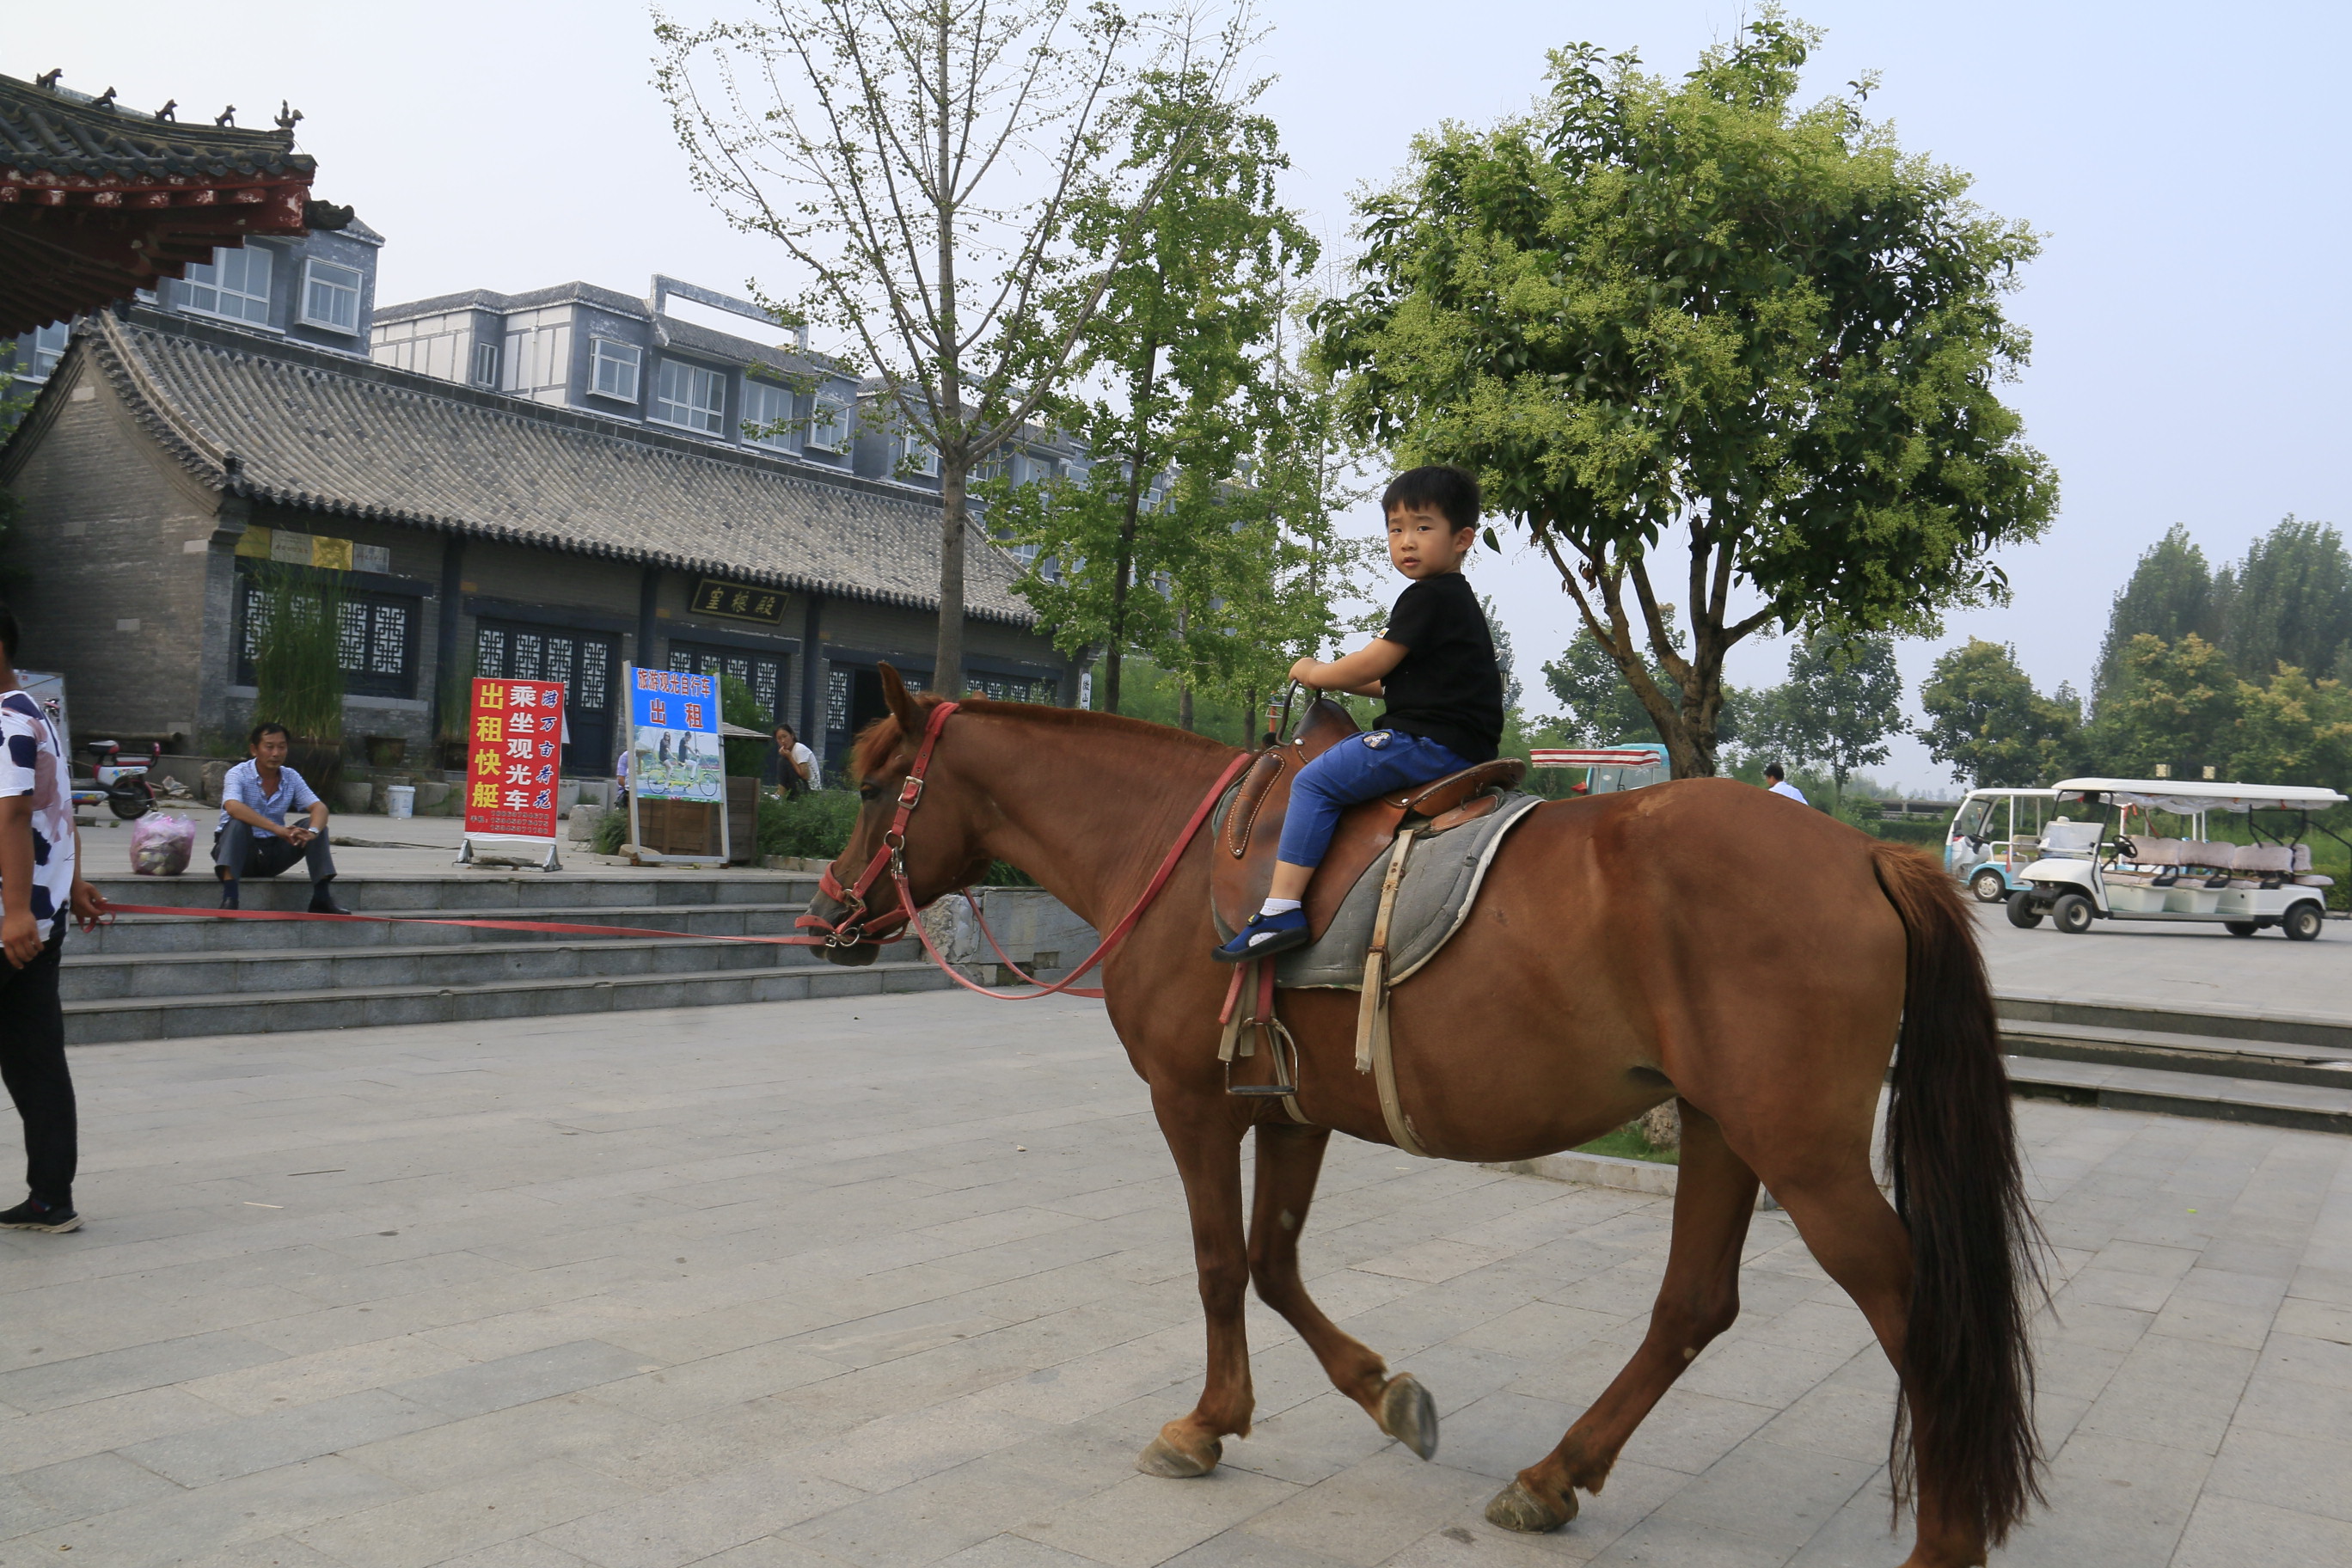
(1441,883)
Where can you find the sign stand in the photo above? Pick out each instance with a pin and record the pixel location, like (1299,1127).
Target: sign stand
(675,758)
(514,740)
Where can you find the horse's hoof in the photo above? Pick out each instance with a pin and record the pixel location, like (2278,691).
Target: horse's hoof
(1162,1458)
(1515,1508)
(1409,1414)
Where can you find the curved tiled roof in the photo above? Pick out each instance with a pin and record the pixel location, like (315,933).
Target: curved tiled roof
(61,131)
(305,428)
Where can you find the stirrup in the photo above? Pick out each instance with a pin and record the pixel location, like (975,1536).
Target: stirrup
(1277,1042)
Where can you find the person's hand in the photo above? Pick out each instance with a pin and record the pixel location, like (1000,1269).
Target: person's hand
(90,905)
(1303,671)
(20,936)
(296,834)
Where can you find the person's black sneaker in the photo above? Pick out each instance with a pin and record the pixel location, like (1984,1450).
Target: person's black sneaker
(34,1215)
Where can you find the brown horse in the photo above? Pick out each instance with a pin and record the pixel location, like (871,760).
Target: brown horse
(1701,939)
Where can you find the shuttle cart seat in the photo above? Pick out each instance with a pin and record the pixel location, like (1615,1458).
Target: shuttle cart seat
(2075,840)
(2304,875)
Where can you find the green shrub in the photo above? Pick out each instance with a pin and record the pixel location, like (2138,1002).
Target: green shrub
(812,826)
(612,832)
(738,706)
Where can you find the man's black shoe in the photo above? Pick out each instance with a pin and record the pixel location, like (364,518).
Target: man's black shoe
(228,895)
(324,904)
(34,1215)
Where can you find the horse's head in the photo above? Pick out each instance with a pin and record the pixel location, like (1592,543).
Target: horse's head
(936,848)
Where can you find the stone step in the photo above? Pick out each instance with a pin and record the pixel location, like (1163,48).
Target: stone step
(2277,1027)
(2212,1054)
(261,976)
(92,1022)
(2200,1094)
(132,936)
(465,890)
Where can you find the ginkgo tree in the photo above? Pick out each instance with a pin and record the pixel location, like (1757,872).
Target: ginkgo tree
(1703,345)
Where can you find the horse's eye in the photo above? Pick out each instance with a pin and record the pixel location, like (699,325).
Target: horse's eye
(870,791)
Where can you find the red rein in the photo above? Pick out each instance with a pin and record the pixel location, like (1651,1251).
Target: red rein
(891,857)
(855,926)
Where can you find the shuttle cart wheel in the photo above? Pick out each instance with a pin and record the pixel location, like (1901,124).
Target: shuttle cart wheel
(2302,922)
(1989,887)
(2072,913)
(2022,912)
(2241,928)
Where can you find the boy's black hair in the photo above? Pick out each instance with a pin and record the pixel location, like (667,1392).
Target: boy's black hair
(1772,771)
(268,727)
(1438,488)
(8,633)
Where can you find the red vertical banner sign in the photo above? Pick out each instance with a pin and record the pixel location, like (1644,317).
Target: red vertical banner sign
(514,754)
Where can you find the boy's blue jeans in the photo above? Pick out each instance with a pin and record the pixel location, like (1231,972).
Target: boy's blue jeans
(1360,767)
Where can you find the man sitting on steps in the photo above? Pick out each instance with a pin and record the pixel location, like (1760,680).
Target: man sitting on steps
(254,838)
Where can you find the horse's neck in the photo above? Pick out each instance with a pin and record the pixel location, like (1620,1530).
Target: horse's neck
(1091,812)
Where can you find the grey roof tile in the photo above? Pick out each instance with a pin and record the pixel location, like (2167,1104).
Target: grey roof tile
(296,426)
(62,131)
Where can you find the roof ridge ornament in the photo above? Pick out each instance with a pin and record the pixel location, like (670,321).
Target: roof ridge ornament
(47,81)
(104,100)
(226,117)
(286,118)
(170,111)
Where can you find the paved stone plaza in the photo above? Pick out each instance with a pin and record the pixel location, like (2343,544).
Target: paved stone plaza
(902,1280)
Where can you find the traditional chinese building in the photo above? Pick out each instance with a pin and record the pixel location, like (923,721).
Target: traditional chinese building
(544,486)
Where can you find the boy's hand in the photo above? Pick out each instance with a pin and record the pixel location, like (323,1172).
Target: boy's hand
(89,906)
(20,935)
(1303,671)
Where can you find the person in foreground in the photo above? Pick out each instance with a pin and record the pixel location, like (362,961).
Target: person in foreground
(254,838)
(1434,667)
(40,882)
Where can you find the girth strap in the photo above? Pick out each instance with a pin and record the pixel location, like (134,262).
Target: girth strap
(1375,1049)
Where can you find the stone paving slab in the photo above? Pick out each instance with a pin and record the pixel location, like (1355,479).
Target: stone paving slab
(905,1279)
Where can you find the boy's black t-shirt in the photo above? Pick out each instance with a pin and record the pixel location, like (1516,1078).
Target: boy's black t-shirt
(1448,688)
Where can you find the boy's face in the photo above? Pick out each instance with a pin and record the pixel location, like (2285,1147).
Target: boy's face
(1423,544)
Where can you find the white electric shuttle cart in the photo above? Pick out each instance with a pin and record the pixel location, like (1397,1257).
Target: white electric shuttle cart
(2106,857)
(1995,835)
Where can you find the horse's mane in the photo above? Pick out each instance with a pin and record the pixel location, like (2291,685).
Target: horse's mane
(883,736)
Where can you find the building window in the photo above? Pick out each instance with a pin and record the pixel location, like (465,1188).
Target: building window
(486,364)
(690,395)
(1004,690)
(235,283)
(922,457)
(375,640)
(768,415)
(836,700)
(48,349)
(829,424)
(763,672)
(330,296)
(613,370)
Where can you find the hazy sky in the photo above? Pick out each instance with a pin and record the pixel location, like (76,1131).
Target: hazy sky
(2186,165)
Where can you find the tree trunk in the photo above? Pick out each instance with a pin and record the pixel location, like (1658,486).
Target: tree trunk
(1124,580)
(947,659)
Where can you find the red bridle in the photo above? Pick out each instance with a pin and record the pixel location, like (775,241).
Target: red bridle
(855,926)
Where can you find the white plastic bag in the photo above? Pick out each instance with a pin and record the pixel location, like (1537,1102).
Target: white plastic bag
(161,845)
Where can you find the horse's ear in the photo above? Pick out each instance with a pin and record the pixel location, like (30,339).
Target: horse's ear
(903,706)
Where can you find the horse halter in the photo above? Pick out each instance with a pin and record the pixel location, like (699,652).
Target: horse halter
(856,925)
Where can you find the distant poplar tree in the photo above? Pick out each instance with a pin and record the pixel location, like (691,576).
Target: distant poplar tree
(2289,602)
(2169,595)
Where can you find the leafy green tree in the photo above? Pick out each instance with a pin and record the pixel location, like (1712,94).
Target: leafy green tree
(923,164)
(2176,707)
(1178,387)
(2170,594)
(1691,333)
(1842,699)
(1512,690)
(1986,720)
(2290,601)
(2291,729)
(1599,708)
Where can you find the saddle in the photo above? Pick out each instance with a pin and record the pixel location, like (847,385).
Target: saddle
(1249,822)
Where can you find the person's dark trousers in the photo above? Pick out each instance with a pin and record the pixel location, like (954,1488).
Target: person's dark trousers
(33,1067)
(242,852)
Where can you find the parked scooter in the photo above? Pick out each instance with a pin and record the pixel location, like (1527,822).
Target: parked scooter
(121,787)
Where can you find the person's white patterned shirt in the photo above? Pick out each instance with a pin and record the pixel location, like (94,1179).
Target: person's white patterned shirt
(32,762)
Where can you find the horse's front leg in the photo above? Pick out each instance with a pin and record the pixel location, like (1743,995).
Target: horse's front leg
(1289,1159)
(1207,1143)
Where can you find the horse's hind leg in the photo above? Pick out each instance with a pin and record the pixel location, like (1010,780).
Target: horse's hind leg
(1715,1197)
(1289,1159)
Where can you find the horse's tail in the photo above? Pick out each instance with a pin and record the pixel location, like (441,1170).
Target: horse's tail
(1967,1374)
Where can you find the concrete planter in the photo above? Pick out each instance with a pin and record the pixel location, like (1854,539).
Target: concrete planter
(1034,927)
(357,795)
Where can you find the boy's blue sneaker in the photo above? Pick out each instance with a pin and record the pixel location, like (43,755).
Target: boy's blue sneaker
(1266,935)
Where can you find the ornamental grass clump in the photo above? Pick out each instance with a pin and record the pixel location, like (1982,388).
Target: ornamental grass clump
(294,636)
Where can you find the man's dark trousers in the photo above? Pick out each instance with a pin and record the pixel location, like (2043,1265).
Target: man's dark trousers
(33,1067)
(245,853)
